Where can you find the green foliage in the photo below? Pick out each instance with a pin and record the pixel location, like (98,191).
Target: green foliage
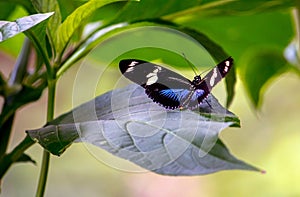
(54,22)
(259,68)
(6,9)
(76,19)
(244,30)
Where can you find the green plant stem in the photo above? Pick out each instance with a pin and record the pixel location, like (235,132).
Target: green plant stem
(43,174)
(46,155)
(5,134)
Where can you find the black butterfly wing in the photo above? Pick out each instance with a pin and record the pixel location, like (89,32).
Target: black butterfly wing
(162,85)
(170,89)
(211,79)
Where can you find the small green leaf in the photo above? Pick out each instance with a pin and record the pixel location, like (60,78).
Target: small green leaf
(37,35)
(76,20)
(55,138)
(54,22)
(172,142)
(10,29)
(258,68)
(25,158)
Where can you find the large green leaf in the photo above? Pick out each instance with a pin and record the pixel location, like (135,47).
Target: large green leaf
(10,29)
(173,142)
(24,3)
(67,7)
(177,9)
(6,9)
(149,9)
(227,8)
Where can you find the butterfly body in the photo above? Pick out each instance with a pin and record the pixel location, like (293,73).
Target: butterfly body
(170,89)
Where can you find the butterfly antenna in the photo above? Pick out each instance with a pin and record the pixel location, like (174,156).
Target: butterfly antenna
(207,70)
(194,68)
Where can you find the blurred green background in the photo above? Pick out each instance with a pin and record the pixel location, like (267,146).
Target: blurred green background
(268,138)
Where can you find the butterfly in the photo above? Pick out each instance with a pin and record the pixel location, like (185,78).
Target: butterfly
(170,89)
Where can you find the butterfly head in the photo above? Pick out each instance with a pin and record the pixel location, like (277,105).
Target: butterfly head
(197,80)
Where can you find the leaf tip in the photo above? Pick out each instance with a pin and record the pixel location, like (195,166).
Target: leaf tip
(263,171)
(49,13)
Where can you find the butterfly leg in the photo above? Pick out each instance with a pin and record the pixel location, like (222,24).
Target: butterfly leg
(208,104)
(206,110)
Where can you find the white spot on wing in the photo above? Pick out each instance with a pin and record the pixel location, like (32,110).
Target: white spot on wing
(227,63)
(133,63)
(151,80)
(213,77)
(226,69)
(152,77)
(131,66)
(129,69)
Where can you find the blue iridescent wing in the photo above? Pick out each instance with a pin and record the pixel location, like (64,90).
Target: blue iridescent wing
(170,98)
(162,85)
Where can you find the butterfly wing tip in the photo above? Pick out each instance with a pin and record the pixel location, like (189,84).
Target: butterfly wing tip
(230,59)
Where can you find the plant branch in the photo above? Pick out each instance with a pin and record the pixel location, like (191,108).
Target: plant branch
(12,157)
(14,82)
(19,71)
